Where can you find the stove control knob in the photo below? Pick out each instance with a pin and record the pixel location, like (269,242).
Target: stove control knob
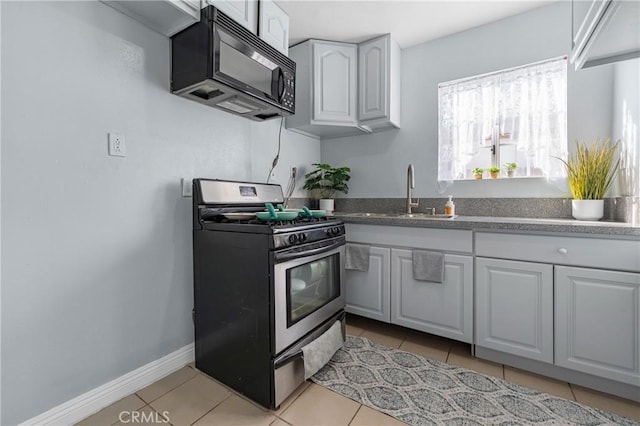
(293,238)
(329,232)
(336,231)
(302,237)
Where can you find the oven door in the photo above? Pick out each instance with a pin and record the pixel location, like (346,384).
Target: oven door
(308,290)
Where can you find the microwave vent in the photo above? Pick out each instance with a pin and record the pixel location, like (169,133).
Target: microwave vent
(207,94)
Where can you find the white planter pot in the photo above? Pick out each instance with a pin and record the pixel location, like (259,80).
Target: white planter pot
(327,204)
(587,209)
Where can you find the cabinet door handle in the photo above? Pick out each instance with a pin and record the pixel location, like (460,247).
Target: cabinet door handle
(563,250)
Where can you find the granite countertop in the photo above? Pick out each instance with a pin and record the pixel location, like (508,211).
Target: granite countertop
(494,223)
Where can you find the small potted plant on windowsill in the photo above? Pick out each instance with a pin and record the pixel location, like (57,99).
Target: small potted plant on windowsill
(494,171)
(477,173)
(511,169)
(328,180)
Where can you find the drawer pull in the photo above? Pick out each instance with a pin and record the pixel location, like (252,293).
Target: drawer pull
(563,250)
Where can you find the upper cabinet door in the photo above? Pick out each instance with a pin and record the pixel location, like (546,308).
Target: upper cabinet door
(274,26)
(244,12)
(334,82)
(608,31)
(167,17)
(373,82)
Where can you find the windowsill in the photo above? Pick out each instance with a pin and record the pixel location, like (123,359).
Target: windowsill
(500,178)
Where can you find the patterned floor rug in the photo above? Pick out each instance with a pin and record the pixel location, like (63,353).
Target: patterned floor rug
(421,391)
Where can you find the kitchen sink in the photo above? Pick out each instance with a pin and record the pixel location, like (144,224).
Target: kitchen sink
(402,215)
(426,216)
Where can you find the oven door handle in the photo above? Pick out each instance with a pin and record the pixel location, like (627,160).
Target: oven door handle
(279,257)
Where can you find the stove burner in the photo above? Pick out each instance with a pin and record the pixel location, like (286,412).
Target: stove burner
(272,223)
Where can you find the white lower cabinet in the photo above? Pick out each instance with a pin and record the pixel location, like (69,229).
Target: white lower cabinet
(514,307)
(445,308)
(570,302)
(387,291)
(368,292)
(597,322)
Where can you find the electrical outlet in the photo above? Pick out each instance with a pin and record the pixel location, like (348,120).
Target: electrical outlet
(117,147)
(187,187)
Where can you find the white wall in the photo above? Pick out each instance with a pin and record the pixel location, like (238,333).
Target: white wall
(0,218)
(379,162)
(96,250)
(626,122)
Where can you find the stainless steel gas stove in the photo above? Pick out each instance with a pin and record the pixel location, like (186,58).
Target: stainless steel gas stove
(262,289)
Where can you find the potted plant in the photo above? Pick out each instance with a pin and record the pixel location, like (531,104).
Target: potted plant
(477,172)
(494,171)
(511,169)
(590,173)
(327,180)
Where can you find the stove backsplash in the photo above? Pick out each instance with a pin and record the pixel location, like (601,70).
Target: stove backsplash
(621,209)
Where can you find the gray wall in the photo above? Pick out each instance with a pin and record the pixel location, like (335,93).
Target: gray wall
(96,250)
(0,219)
(626,118)
(379,161)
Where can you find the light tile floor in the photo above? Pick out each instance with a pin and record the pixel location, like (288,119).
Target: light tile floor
(188,397)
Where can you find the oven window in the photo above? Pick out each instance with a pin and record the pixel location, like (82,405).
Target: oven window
(311,286)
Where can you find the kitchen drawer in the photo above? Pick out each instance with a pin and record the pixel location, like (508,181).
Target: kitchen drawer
(450,240)
(579,251)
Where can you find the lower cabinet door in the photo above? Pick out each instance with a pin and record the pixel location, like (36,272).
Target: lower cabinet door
(444,309)
(597,322)
(368,292)
(514,307)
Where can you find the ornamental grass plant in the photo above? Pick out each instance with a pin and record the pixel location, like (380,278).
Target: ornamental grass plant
(591,169)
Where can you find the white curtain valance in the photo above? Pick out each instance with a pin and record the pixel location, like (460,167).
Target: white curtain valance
(529,103)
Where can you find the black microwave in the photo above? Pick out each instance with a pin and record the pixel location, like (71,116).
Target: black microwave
(220,63)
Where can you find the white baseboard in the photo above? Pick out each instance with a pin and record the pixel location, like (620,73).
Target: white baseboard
(80,407)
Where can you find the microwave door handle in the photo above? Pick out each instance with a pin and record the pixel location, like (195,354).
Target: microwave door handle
(280,84)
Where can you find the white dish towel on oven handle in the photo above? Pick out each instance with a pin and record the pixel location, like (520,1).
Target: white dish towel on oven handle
(317,353)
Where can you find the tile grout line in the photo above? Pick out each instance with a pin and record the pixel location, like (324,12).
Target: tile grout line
(170,390)
(212,408)
(292,402)
(355,414)
(572,392)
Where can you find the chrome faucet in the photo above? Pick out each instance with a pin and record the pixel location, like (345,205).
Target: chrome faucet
(410,184)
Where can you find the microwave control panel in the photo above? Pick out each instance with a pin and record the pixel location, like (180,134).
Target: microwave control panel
(288,95)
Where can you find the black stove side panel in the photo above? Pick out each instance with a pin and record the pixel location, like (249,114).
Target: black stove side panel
(232,311)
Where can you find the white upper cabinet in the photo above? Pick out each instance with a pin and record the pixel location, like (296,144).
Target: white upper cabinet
(166,17)
(345,89)
(264,18)
(273,26)
(604,31)
(334,82)
(379,83)
(244,12)
(326,89)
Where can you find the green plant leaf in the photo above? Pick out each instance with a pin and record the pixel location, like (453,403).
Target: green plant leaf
(328,179)
(592,169)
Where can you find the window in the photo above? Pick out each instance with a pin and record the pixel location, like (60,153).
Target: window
(517,116)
